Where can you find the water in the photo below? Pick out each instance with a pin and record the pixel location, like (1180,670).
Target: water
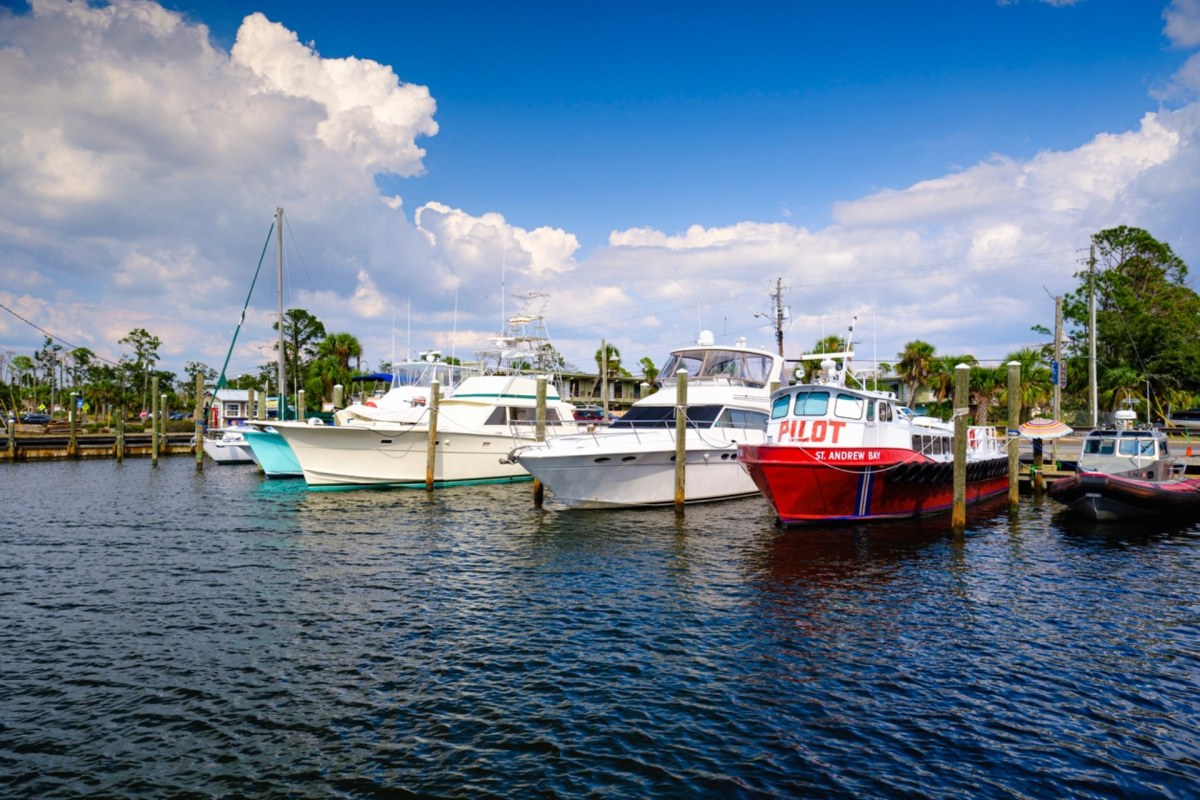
(168,633)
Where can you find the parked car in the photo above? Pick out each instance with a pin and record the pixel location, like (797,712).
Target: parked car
(589,414)
(34,419)
(179,415)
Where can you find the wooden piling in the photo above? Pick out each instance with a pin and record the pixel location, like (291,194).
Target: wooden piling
(119,445)
(539,491)
(962,411)
(155,421)
(680,440)
(301,410)
(339,396)
(11,427)
(198,419)
(431,449)
(1014,441)
(73,444)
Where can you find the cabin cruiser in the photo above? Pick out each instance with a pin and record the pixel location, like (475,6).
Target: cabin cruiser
(632,461)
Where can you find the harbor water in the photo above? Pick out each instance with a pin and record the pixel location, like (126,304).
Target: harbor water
(172,633)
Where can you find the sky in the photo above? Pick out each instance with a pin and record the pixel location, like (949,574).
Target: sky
(643,170)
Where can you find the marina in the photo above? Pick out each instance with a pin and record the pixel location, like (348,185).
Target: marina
(172,631)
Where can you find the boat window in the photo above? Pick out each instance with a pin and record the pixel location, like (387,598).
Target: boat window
(741,418)
(664,417)
(758,369)
(724,364)
(885,412)
(871,411)
(1134,447)
(779,408)
(497,417)
(848,406)
(690,360)
(525,415)
(811,404)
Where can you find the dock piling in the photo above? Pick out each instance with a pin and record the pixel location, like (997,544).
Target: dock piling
(680,439)
(962,410)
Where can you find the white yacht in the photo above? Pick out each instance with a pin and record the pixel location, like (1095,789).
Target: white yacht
(632,462)
(475,427)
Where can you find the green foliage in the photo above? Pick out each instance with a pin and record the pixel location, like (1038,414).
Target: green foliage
(1146,321)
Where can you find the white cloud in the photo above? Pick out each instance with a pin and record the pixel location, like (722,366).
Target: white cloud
(141,167)
(370,117)
(1183,22)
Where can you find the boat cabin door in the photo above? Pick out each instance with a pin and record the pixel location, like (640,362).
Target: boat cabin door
(879,413)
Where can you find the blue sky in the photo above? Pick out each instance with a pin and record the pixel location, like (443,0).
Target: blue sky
(934,169)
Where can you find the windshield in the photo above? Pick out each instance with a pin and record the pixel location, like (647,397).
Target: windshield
(664,417)
(733,366)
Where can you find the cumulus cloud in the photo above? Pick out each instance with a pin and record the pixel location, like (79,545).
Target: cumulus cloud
(142,166)
(1183,22)
(370,117)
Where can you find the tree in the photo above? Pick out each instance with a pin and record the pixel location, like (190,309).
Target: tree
(914,366)
(302,333)
(649,370)
(1037,390)
(1146,317)
(332,364)
(145,356)
(986,386)
(608,359)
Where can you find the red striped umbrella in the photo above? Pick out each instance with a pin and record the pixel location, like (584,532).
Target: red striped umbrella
(1043,429)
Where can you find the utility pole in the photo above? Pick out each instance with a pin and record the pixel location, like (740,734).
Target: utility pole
(1058,335)
(779,314)
(1093,399)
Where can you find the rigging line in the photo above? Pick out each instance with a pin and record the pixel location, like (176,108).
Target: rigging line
(316,296)
(37,327)
(221,379)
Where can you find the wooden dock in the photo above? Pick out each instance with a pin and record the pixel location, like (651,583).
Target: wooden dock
(56,446)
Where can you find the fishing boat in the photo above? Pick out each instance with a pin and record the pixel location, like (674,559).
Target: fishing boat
(410,384)
(227,446)
(406,400)
(839,454)
(271,451)
(1127,473)
(475,427)
(632,461)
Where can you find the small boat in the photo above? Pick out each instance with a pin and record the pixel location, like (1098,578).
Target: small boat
(1127,473)
(631,462)
(840,454)
(228,446)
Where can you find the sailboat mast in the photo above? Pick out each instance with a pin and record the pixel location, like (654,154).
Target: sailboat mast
(282,405)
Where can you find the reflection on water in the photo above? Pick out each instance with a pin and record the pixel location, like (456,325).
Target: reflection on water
(168,631)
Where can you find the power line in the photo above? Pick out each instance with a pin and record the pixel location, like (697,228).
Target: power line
(54,337)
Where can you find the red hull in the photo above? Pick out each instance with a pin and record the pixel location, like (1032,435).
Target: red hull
(832,484)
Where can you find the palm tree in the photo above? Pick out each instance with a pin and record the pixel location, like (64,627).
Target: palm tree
(1036,387)
(649,370)
(914,366)
(986,386)
(332,364)
(609,357)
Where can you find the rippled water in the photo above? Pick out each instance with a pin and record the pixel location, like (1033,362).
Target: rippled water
(171,633)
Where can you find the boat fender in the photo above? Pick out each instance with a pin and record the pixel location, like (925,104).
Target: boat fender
(370,404)
(315,422)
